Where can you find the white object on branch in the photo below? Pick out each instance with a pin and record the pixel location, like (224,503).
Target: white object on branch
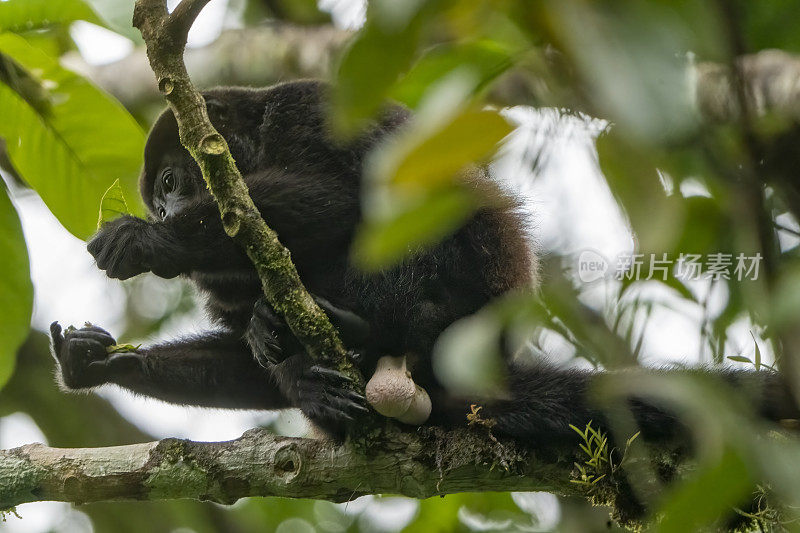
(392,392)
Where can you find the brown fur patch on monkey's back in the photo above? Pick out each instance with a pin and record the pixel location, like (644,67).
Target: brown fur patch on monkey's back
(499,234)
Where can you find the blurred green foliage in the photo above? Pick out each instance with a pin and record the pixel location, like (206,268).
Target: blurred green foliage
(72,150)
(293,11)
(629,63)
(37,14)
(457,63)
(16,290)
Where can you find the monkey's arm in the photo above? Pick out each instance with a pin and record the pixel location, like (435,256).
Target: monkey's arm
(194,240)
(212,370)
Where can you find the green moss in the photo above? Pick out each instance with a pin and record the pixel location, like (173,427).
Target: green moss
(599,475)
(18,478)
(762,514)
(171,450)
(9,511)
(173,470)
(177,479)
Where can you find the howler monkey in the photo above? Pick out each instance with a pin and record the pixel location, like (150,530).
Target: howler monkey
(306,185)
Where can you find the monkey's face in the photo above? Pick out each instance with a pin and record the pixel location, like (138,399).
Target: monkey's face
(171,179)
(177,184)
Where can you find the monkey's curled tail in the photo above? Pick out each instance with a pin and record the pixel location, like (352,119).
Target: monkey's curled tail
(544,401)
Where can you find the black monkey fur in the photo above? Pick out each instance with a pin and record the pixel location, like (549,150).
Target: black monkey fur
(307,187)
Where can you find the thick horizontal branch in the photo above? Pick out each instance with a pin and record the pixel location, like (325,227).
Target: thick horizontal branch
(420,464)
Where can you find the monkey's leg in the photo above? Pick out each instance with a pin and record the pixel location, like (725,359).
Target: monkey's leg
(324,395)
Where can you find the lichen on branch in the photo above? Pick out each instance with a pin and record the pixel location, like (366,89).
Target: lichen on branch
(416,464)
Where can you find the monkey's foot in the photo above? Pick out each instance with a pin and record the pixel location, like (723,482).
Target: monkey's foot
(324,395)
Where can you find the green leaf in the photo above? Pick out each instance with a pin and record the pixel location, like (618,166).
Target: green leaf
(122,348)
(467,359)
(25,15)
(740,359)
(112,204)
(701,500)
(631,55)
(578,431)
(631,439)
(443,513)
(71,155)
(770,24)
(24,84)
(656,218)
(16,290)
(486,59)
(429,160)
(383,49)
(412,194)
(757,361)
(380,243)
(118,14)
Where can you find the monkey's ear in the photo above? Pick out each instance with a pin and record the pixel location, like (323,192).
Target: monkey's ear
(216,108)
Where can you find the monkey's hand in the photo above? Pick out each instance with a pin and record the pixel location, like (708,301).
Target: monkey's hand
(83,358)
(324,395)
(268,336)
(127,246)
(270,339)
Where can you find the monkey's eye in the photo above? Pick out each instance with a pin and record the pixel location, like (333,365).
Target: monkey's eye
(162,213)
(168,179)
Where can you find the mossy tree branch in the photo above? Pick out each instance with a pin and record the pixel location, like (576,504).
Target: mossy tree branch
(165,37)
(421,464)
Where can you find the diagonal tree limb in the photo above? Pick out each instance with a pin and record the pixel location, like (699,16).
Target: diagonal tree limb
(165,37)
(182,18)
